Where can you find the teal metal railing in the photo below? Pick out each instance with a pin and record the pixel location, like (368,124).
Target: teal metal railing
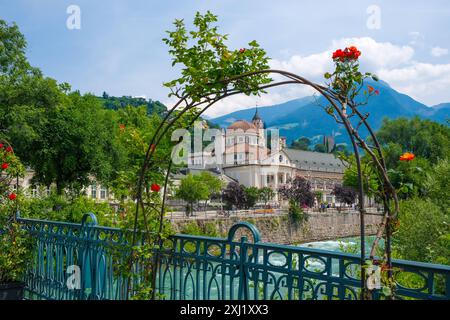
(202,268)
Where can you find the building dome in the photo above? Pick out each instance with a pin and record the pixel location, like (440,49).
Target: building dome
(243,125)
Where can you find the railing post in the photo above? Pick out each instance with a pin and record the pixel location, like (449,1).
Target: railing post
(243,281)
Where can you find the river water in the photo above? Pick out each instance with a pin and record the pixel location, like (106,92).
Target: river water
(350,245)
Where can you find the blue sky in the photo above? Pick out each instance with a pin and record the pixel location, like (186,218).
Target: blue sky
(119,49)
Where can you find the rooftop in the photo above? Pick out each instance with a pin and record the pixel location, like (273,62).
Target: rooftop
(311,160)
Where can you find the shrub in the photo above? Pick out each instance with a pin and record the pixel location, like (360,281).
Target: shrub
(296,213)
(424,228)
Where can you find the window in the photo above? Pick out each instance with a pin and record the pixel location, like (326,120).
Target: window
(93,191)
(281,158)
(34,192)
(103,192)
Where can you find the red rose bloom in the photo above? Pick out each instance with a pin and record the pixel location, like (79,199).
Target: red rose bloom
(12,196)
(5,166)
(350,53)
(242,50)
(8,149)
(1,145)
(155,187)
(338,54)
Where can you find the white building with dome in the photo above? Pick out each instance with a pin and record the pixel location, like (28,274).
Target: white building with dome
(248,158)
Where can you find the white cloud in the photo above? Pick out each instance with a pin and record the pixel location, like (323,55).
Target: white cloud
(308,66)
(426,82)
(377,54)
(438,51)
(242,101)
(395,64)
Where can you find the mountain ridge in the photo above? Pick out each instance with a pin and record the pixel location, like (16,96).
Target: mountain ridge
(304,117)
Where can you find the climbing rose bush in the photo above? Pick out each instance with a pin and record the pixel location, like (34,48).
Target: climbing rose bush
(346,80)
(14,241)
(10,168)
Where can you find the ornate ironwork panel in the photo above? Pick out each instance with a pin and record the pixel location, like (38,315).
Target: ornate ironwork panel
(204,268)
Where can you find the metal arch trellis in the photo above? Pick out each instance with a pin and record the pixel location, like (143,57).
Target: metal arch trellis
(338,104)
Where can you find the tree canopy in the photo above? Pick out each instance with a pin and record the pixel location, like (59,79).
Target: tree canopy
(426,139)
(207,63)
(298,191)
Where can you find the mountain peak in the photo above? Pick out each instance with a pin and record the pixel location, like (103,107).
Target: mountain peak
(303,117)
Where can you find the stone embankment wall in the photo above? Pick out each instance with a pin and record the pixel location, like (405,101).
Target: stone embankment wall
(281,229)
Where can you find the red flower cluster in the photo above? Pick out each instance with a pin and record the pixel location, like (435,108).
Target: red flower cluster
(12,196)
(350,53)
(5,166)
(155,187)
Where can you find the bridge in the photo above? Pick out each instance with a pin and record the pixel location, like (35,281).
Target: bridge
(239,266)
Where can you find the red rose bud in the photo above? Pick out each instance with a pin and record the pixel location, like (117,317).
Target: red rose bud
(155,187)
(338,54)
(5,166)
(12,196)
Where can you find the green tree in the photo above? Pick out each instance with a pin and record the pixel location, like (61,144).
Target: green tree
(266,194)
(426,139)
(437,183)
(70,143)
(320,147)
(192,190)
(424,227)
(409,177)
(301,144)
(251,196)
(213,184)
(340,149)
(371,185)
(62,137)
(23,88)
